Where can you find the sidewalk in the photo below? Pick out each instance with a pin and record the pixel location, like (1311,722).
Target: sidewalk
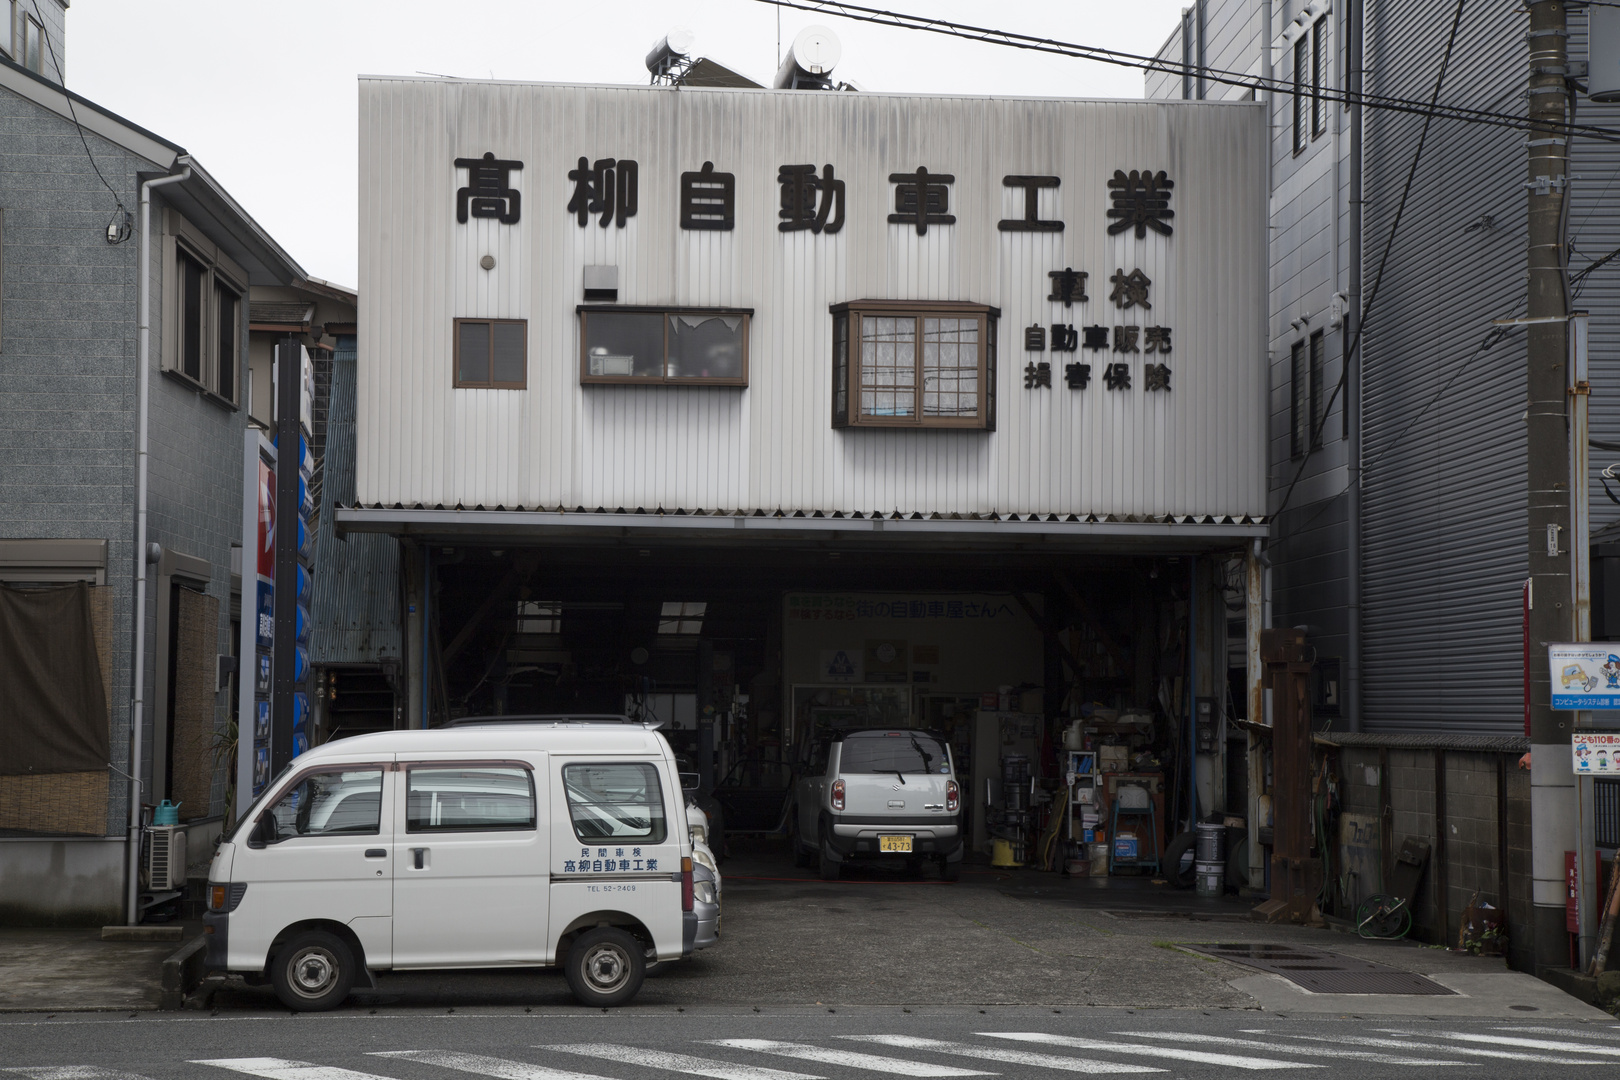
(75,971)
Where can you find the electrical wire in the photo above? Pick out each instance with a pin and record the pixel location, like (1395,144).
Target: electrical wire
(117,228)
(1378,278)
(1118,58)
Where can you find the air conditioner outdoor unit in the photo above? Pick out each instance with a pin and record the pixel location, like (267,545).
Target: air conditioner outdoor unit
(165,858)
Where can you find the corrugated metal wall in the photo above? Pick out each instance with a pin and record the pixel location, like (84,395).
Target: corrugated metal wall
(1197,450)
(355,601)
(1444,539)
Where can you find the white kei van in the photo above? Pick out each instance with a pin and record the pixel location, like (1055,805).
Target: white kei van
(561,841)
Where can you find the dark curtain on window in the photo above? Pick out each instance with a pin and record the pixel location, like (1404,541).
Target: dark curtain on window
(53,714)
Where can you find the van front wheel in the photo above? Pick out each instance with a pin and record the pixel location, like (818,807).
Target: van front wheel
(313,971)
(605,967)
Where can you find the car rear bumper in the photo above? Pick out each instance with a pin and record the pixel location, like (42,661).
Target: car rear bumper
(851,836)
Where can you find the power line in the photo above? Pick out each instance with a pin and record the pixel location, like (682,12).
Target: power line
(1009,39)
(119,227)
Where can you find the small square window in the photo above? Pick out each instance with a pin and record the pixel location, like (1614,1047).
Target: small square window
(900,364)
(492,353)
(539,617)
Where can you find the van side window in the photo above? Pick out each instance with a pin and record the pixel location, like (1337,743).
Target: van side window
(468,799)
(325,804)
(619,801)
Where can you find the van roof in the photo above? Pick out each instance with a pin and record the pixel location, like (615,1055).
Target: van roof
(493,740)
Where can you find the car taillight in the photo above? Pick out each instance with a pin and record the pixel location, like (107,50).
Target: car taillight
(686,884)
(838,795)
(953,796)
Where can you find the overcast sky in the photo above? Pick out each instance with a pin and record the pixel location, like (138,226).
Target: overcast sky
(263,94)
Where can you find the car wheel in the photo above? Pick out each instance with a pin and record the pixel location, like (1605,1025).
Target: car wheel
(605,967)
(950,871)
(313,971)
(830,869)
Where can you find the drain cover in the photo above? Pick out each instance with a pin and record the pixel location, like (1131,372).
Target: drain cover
(1324,972)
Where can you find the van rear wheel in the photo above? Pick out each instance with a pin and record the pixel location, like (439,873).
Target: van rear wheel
(313,971)
(605,967)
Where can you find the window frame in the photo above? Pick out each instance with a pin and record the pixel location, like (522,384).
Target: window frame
(8,45)
(526,768)
(253,837)
(1318,50)
(1316,358)
(585,311)
(27,23)
(1301,62)
(183,241)
(663,820)
(846,370)
(1297,374)
(455,355)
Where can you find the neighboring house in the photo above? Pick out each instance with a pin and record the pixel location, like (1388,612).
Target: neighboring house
(1441,536)
(70,178)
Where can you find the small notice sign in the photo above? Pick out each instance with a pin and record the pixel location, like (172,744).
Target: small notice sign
(1585,675)
(1596,754)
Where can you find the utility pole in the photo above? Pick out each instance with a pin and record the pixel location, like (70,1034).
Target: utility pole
(1552,792)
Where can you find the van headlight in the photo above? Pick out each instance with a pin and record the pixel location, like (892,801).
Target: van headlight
(704,891)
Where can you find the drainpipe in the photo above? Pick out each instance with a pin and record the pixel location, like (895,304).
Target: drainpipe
(1192,697)
(1354,16)
(137,700)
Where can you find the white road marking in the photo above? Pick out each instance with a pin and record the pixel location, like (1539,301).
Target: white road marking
(1506,1040)
(847,1058)
(997,1053)
(1612,1034)
(71,1072)
(1233,1060)
(1470,1051)
(1304,1051)
(485,1066)
(283,1069)
(683,1063)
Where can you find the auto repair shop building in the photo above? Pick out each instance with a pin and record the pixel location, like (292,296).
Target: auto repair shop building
(769,412)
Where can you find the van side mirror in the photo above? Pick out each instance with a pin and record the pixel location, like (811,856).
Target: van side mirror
(690,781)
(264,832)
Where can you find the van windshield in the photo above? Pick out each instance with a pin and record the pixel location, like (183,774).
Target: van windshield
(894,752)
(618,801)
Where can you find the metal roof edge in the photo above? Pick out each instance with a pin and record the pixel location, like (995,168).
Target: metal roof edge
(212,194)
(90,116)
(833,95)
(380,519)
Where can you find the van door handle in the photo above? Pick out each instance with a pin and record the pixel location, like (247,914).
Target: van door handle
(376,853)
(417,853)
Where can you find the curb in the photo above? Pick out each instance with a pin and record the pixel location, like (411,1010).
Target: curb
(182,973)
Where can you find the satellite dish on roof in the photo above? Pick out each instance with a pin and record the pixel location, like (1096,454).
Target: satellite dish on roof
(809,61)
(670,49)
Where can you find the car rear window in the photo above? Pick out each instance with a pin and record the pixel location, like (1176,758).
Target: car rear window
(894,751)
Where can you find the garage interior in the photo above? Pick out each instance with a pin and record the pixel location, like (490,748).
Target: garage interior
(1061,678)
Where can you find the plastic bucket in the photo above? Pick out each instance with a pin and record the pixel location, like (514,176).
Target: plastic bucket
(1211,842)
(1210,878)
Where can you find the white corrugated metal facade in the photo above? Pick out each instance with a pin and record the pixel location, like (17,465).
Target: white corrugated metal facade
(1197,450)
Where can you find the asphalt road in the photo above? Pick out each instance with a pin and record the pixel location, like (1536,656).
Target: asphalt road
(645,1043)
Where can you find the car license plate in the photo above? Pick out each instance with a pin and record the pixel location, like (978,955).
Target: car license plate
(901,844)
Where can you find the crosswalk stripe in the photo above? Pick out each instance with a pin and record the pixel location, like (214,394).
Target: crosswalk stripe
(1610,1034)
(71,1072)
(1470,1051)
(1233,1060)
(997,1053)
(1303,1051)
(848,1058)
(485,1066)
(283,1069)
(683,1063)
(1507,1040)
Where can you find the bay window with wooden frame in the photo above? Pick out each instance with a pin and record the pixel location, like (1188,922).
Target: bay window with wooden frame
(663,346)
(914,364)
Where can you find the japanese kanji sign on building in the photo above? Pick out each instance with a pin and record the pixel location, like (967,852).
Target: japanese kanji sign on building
(1079,286)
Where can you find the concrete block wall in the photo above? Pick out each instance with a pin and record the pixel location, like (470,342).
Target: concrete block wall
(1468,858)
